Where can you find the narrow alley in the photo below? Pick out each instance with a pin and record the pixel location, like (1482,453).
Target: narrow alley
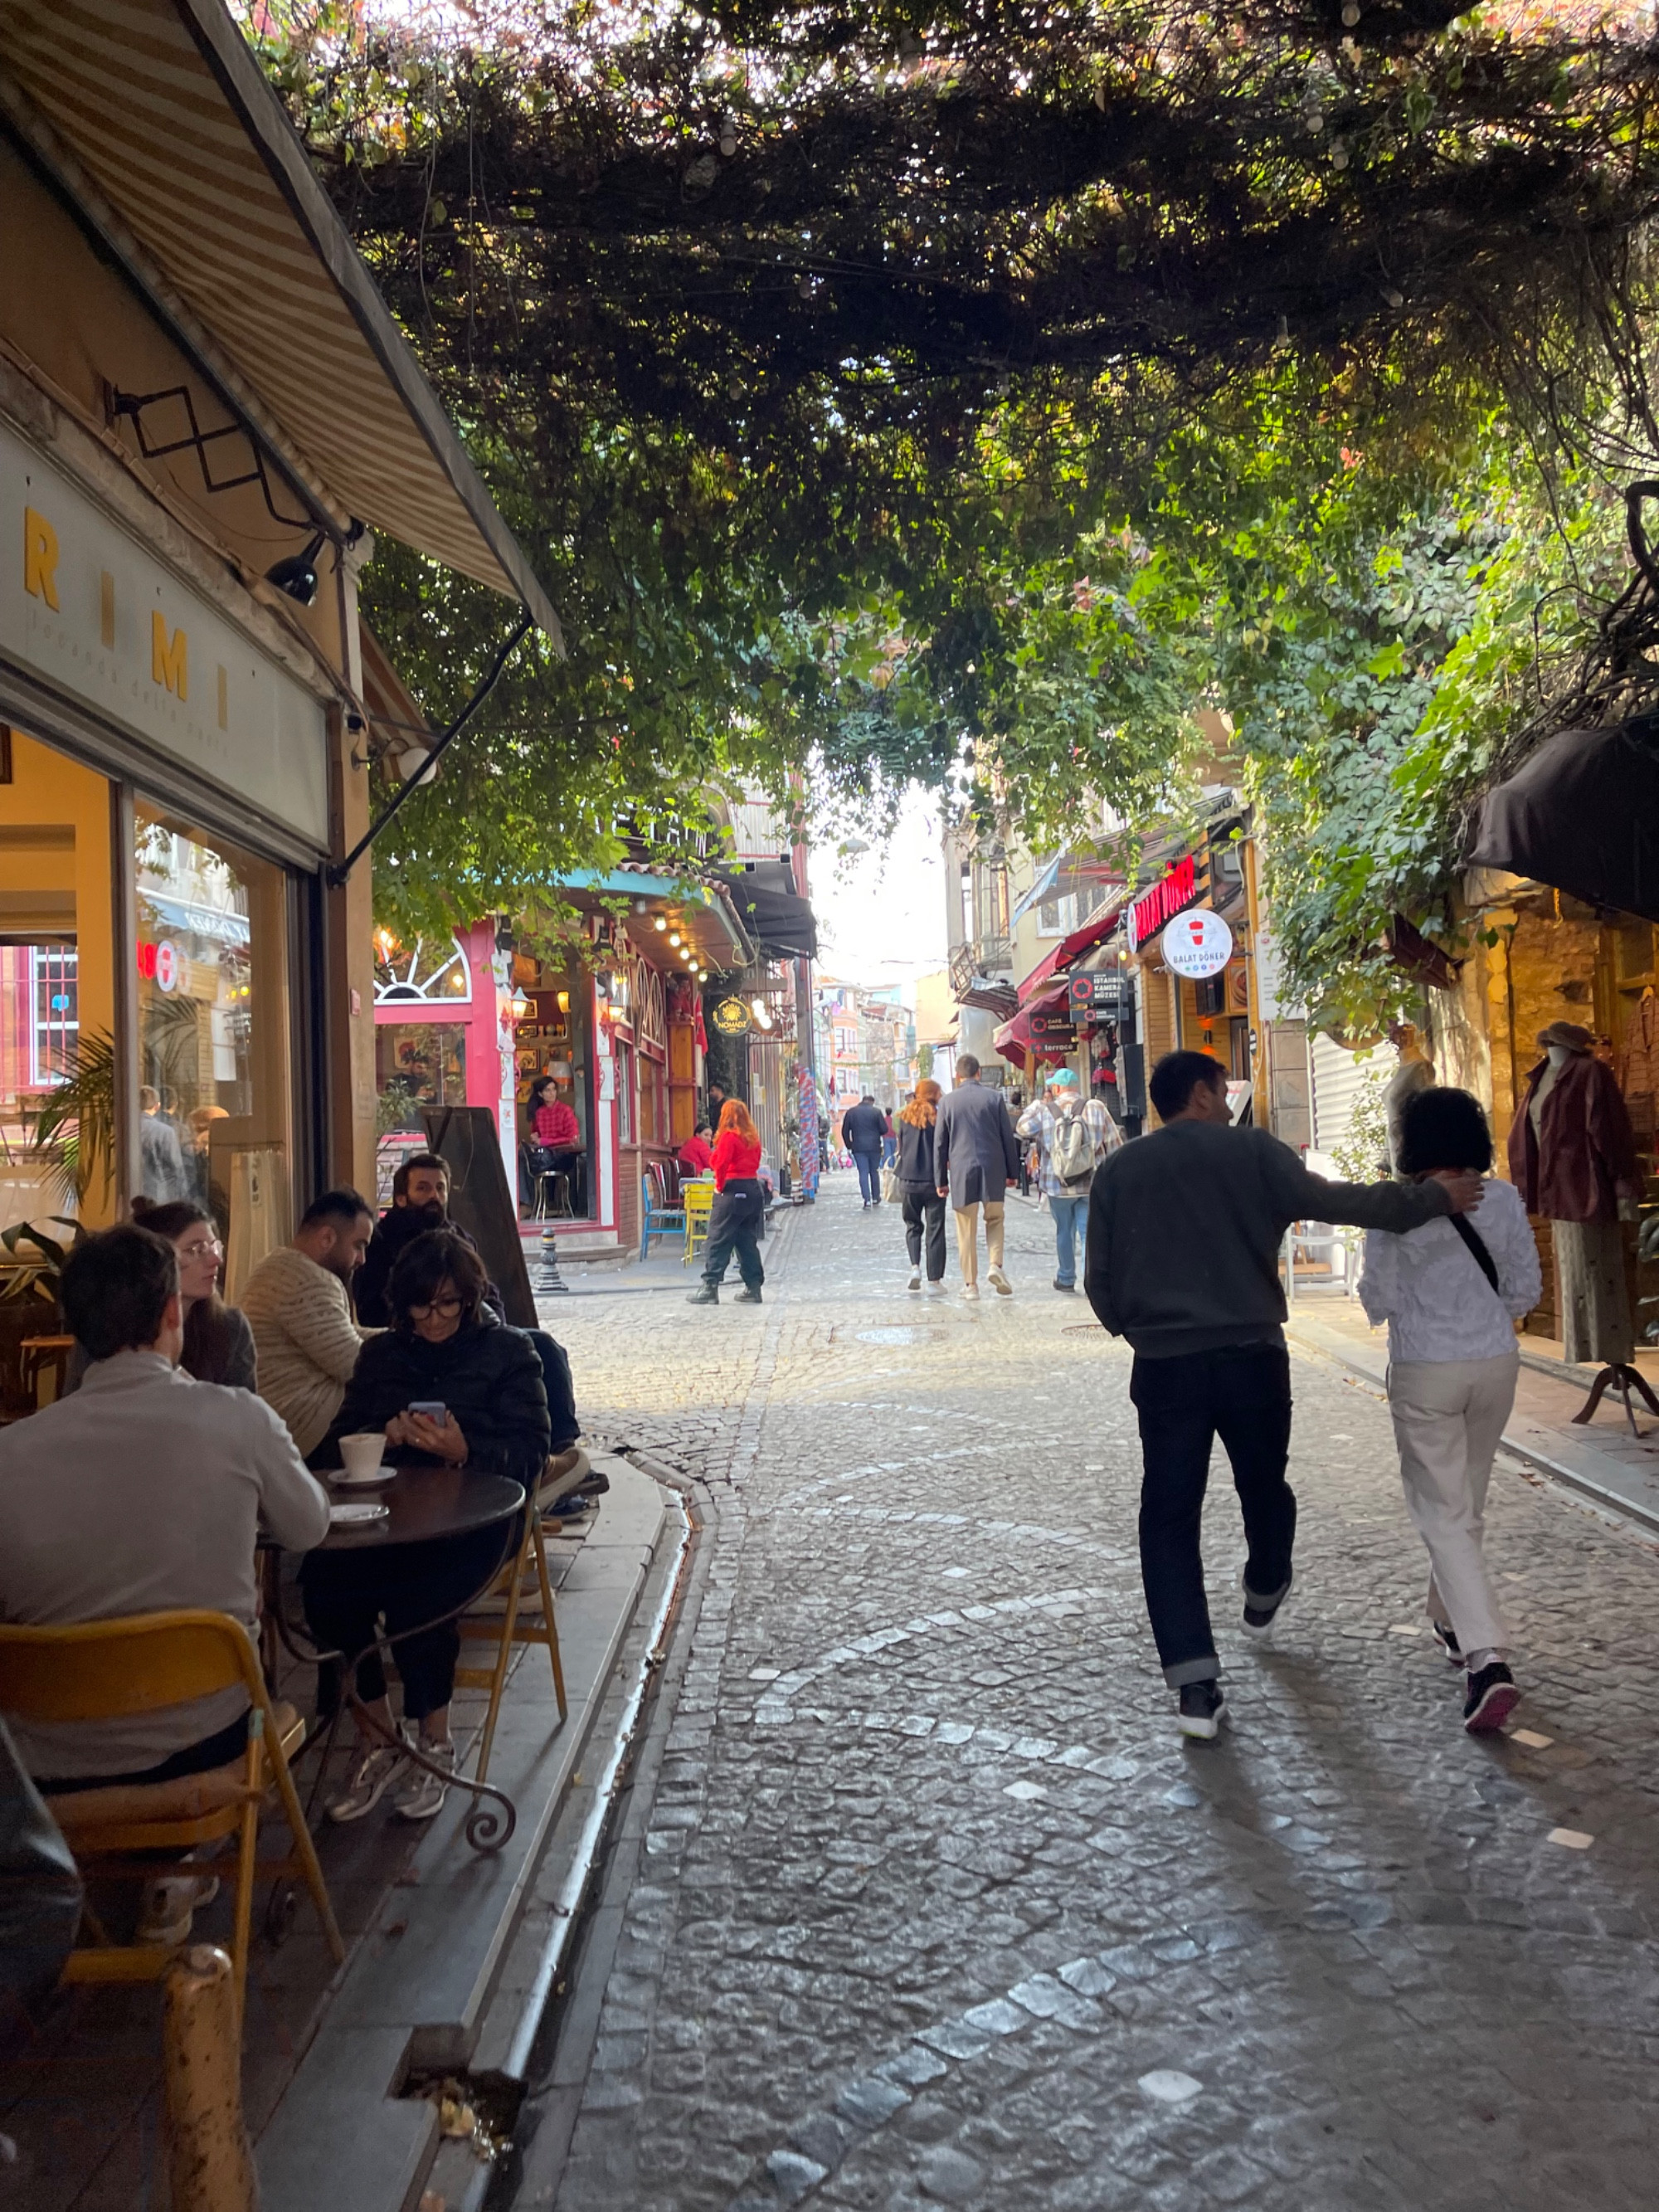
(932,1905)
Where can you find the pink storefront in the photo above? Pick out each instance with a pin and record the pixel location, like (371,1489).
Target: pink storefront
(443,1036)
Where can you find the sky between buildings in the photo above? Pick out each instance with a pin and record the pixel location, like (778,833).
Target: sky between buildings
(881,914)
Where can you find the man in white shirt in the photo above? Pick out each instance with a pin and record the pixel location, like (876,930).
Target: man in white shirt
(142,1493)
(298,1302)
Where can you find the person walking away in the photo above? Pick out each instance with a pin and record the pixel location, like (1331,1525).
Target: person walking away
(864,1132)
(919,1198)
(975,1157)
(1072,1137)
(299,1301)
(735,1216)
(1451,1295)
(889,1142)
(1185,1227)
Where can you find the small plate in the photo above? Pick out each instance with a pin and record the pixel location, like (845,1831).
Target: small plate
(341,1480)
(357,1515)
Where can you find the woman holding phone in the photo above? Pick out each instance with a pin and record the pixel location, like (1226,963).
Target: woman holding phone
(448,1385)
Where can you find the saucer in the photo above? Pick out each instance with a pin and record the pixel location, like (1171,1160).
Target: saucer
(338,1476)
(357,1515)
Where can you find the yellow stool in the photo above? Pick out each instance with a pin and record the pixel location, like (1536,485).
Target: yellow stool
(698,1199)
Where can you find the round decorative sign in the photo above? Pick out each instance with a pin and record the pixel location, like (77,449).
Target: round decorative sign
(731,1017)
(166,965)
(1197,943)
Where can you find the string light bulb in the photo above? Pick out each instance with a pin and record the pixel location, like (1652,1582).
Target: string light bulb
(662,921)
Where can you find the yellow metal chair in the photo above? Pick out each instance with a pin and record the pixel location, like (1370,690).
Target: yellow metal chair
(511,1626)
(114,1670)
(698,1198)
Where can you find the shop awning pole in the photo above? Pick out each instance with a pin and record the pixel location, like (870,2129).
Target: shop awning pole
(337,873)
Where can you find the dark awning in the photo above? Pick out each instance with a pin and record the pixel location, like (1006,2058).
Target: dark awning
(772,910)
(1583,816)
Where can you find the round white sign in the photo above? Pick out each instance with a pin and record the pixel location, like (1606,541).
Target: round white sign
(166,965)
(1197,943)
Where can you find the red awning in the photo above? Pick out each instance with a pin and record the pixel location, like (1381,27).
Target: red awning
(1013,1040)
(1069,948)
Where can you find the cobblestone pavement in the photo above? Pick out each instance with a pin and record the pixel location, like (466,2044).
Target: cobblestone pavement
(938,1909)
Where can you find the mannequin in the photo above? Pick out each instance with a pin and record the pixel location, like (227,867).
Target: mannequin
(1572,1157)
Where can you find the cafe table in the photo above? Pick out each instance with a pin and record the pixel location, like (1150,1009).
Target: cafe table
(427,1505)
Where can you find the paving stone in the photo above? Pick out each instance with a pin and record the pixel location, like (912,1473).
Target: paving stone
(858,1972)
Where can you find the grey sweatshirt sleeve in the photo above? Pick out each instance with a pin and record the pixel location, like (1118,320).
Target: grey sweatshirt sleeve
(293,1503)
(1299,1196)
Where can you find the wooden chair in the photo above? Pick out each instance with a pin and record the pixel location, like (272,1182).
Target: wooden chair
(658,1212)
(115,1669)
(510,1625)
(698,1199)
(40,1353)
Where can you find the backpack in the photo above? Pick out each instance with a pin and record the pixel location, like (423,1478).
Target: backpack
(1073,1149)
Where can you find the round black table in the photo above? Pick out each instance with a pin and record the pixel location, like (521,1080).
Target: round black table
(424,1504)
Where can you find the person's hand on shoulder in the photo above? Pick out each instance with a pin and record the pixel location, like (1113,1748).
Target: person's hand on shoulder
(1462,1186)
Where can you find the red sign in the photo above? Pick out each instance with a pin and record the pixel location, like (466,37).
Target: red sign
(1154,908)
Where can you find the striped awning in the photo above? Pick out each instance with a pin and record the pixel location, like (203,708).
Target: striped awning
(159,124)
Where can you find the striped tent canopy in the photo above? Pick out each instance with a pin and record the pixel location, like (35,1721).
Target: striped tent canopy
(159,123)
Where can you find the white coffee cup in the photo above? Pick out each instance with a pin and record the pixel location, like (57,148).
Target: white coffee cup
(361,1454)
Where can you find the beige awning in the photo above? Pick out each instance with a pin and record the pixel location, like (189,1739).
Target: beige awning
(159,122)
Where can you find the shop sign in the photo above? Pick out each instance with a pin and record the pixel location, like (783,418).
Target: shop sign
(1154,908)
(87,608)
(1099,994)
(731,1017)
(162,964)
(1198,944)
(1054,1027)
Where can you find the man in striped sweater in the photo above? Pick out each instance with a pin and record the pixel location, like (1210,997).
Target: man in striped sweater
(299,1302)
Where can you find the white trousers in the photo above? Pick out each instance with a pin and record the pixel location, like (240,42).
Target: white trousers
(1449,1416)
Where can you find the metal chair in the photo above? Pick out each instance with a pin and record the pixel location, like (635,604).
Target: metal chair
(115,1669)
(561,1208)
(698,1201)
(657,1214)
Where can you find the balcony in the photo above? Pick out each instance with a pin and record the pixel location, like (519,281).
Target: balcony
(981,974)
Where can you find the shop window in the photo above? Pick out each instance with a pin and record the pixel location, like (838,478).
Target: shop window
(53,987)
(417,1064)
(625,1094)
(214,1035)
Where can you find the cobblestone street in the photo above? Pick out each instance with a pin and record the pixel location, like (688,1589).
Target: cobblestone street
(936,1906)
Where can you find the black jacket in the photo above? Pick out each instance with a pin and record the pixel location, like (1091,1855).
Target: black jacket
(489,1377)
(915,1156)
(863,1128)
(398,1229)
(1185,1226)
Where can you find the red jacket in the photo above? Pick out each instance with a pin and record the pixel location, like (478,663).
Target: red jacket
(558,1127)
(735,1155)
(1587,1145)
(695,1156)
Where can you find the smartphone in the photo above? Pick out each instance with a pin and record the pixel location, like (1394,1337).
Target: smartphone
(434,1408)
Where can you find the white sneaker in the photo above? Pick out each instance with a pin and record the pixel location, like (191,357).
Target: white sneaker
(421,1797)
(1000,1284)
(170,1904)
(970,1291)
(914,1283)
(936,1287)
(372,1775)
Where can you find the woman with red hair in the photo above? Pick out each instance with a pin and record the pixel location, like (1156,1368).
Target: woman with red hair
(738,1209)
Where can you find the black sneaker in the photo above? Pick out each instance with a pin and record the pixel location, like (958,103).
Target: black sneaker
(1201,1707)
(1492,1698)
(746,1298)
(1071,1288)
(707,1296)
(1259,1618)
(1448,1643)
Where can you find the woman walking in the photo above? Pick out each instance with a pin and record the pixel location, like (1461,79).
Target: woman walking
(738,1212)
(1451,1293)
(923,1207)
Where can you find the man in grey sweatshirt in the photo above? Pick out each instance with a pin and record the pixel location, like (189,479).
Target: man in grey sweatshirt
(1185,1227)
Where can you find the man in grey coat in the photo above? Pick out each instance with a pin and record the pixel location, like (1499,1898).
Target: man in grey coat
(975,1157)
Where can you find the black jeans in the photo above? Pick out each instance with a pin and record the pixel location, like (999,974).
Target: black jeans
(734,1221)
(1241,1394)
(346,1593)
(923,1214)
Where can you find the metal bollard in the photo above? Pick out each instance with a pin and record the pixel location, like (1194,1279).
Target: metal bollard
(209,2158)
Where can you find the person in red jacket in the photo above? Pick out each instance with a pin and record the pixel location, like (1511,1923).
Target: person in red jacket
(696,1155)
(555,1139)
(738,1209)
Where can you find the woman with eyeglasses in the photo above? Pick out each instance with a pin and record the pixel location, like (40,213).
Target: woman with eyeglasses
(218,1339)
(446,1349)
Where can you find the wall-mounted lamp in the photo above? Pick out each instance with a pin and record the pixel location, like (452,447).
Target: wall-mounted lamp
(564,1002)
(522,1008)
(296,577)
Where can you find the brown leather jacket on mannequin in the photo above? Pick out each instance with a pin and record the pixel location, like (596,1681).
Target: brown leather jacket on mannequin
(1587,1145)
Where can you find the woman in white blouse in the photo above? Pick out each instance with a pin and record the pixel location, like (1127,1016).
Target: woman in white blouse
(1451,1294)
